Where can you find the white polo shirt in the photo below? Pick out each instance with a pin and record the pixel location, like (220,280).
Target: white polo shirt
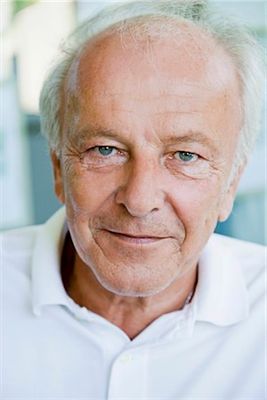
(51,348)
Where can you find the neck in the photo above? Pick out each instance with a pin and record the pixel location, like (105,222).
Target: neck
(131,314)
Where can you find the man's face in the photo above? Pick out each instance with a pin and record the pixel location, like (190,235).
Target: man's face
(146,156)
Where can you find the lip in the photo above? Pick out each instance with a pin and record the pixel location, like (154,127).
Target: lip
(143,239)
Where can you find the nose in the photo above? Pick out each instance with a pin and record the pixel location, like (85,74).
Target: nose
(142,193)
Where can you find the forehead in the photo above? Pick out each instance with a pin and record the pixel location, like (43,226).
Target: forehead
(183,51)
(151,72)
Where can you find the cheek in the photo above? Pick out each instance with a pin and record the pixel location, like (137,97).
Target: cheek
(87,192)
(197,205)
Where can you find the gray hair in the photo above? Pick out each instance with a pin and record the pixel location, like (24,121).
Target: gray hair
(231,36)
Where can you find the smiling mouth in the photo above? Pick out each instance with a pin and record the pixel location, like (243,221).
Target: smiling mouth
(136,239)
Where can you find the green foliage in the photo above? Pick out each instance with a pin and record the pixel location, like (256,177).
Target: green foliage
(18,5)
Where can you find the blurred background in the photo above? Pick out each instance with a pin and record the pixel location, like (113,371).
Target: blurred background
(31,32)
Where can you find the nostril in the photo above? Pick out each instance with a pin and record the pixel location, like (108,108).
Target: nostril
(139,204)
(142,192)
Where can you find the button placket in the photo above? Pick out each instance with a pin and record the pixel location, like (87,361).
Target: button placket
(127,377)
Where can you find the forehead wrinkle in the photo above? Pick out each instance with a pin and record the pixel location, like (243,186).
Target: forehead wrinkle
(177,112)
(101,45)
(144,43)
(106,92)
(190,137)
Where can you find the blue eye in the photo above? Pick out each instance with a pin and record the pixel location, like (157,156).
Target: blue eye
(105,150)
(186,156)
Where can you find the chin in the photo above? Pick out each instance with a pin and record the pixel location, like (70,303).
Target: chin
(134,287)
(132,292)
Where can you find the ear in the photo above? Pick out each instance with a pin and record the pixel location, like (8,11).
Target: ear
(228,197)
(58,181)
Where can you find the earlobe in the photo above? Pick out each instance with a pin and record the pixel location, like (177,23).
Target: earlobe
(229,196)
(58,181)
(226,207)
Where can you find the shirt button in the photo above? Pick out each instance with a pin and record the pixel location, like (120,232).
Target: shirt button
(126,358)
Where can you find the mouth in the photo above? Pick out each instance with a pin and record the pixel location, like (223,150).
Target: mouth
(136,239)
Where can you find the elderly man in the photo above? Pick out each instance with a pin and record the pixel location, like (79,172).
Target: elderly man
(126,293)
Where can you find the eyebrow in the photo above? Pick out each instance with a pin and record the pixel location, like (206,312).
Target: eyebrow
(190,137)
(91,132)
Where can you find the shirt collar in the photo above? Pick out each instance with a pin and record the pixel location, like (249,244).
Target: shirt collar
(47,287)
(221,295)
